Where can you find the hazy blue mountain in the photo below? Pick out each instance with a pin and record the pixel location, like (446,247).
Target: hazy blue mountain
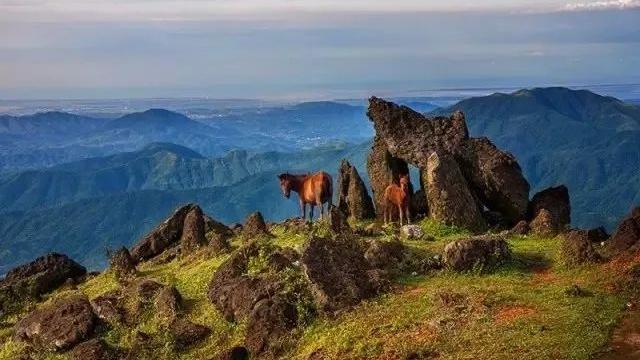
(589,142)
(98,216)
(48,139)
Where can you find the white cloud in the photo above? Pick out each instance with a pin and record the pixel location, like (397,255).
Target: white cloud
(603,5)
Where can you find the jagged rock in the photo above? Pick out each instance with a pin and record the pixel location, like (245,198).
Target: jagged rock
(94,349)
(353,198)
(29,281)
(166,235)
(235,353)
(577,248)
(234,293)
(59,325)
(121,263)
(479,253)
(496,178)
(217,234)
(147,289)
(338,273)
(556,201)
(411,136)
(598,234)
(383,169)
(186,333)
(521,228)
(168,303)
(337,221)
(108,307)
(193,230)
(627,234)
(254,227)
(270,325)
(384,255)
(411,232)
(544,224)
(450,200)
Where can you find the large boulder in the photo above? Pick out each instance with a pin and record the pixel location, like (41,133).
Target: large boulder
(94,349)
(254,227)
(450,200)
(385,255)
(109,307)
(59,325)
(411,136)
(270,326)
(577,248)
(544,224)
(353,198)
(556,201)
(627,234)
(339,273)
(479,253)
(233,292)
(496,178)
(165,236)
(121,263)
(193,230)
(383,169)
(217,234)
(29,281)
(186,333)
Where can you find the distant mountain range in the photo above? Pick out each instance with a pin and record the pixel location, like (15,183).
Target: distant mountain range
(48,139)
(587,141)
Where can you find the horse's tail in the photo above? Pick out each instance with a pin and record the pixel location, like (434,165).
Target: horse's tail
(329,191)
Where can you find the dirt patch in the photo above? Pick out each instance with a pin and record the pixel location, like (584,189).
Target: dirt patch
(625,342)
(510,314)
(544,276)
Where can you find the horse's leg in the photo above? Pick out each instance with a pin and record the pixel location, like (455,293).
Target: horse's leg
(384,213)
(408,213)
(311,207)
(400,211)
(303,210)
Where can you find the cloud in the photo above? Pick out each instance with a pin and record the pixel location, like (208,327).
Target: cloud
(603,5)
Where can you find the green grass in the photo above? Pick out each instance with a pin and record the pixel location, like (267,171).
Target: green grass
(519,311)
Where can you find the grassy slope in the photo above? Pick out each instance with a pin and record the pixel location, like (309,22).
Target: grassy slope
(521,310)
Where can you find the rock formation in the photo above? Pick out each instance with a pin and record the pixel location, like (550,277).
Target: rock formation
(479,253)
(492,177)
(627,234)
(254,227)
(193,230)
(59,325)
(353,198)
(577,248)
(555,200)
(450,200)
(29,281)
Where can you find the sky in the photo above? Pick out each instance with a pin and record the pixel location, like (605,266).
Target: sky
(307,49)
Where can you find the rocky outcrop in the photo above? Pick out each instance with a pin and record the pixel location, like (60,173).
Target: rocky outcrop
(29,281)
(217,234)
(186,333)
(521,228)
(108,307)
(577,248)
(168,303)
(193,230)
(383,169)
(385,255)
(59,325)
(494,177)
(411,136)
(166,235)
(254,227)
(450,200)
(598,234)
(121,263)
(555,200)
(627,234)
(544,224)
(339,274)
(94,349)
(353,198)
(479,253)
(270,325)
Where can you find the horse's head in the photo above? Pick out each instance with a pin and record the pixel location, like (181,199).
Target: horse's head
(285,184)
(404,181)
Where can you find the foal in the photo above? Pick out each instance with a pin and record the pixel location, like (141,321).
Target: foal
(313,189)
(398,196)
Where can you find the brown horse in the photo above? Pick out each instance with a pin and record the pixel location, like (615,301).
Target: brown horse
(397,196)
(313,189)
